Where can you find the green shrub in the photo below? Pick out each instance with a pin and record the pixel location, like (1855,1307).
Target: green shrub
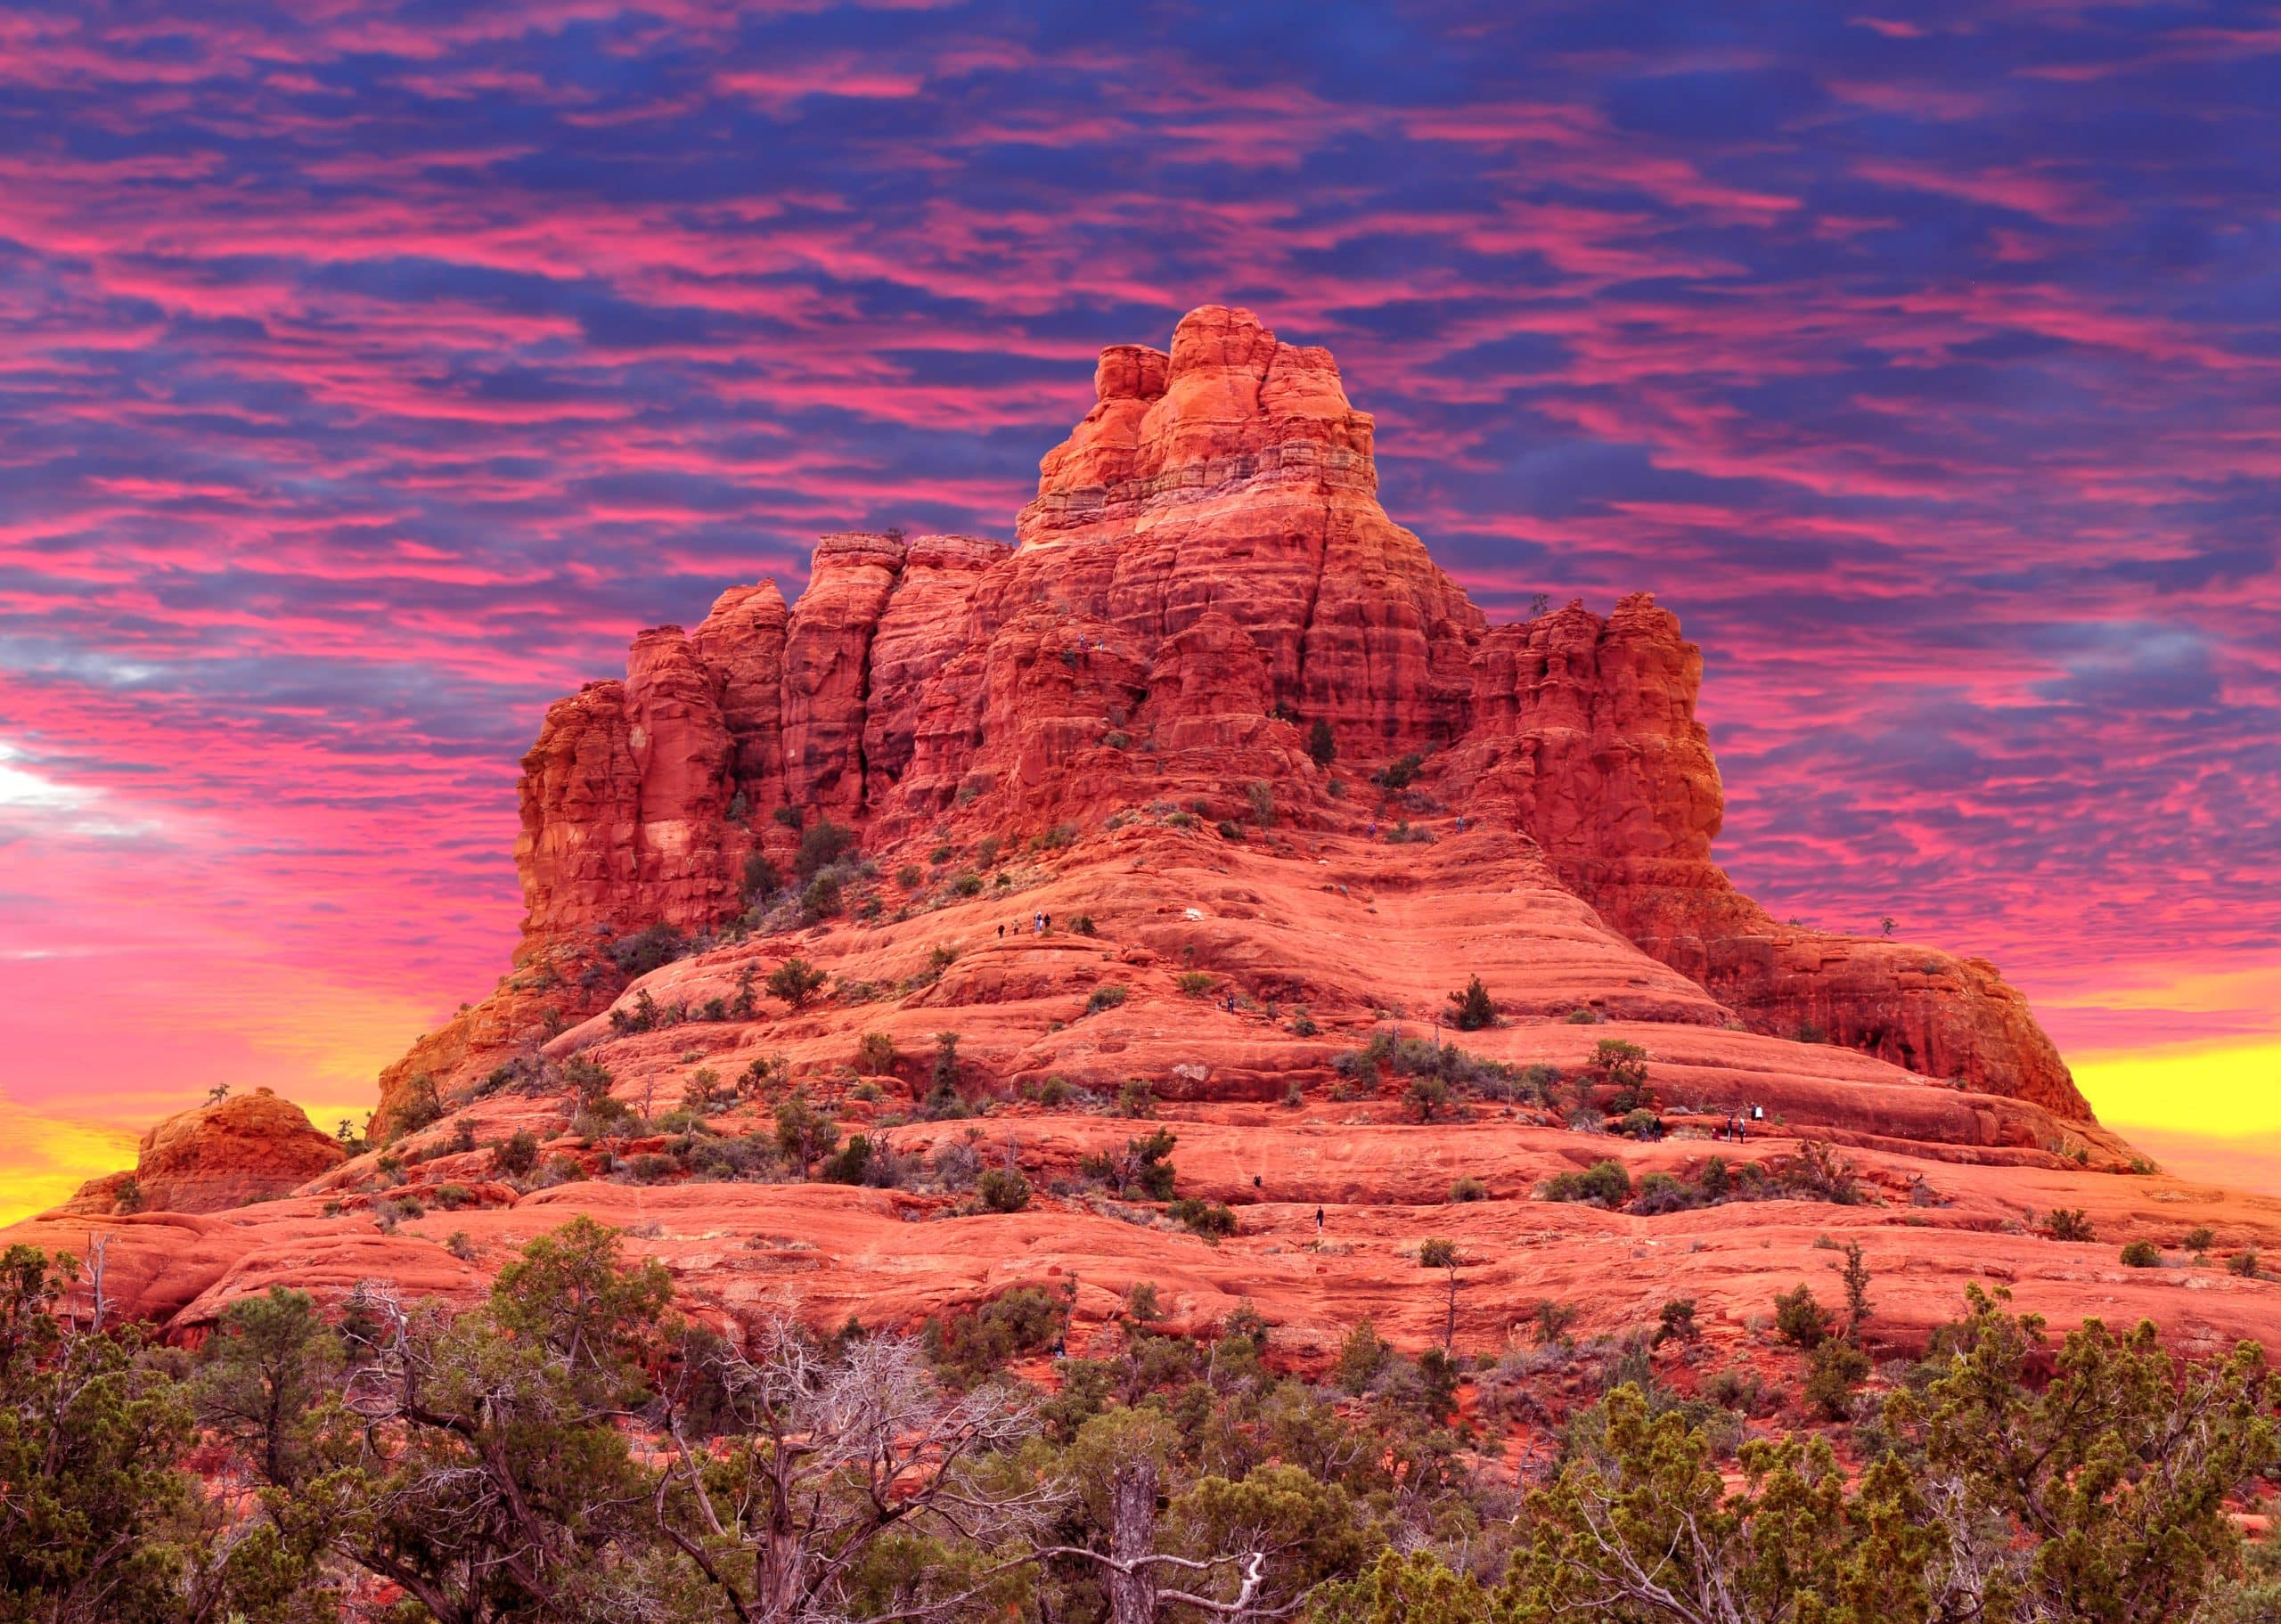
(875,1055)
(1207,1219)
(1003,1189)
(762,879)
(1660,1193)
(2244,1263)
(2199,1239)
(909,876)
(822,899)
(971,1347)
(820,846)
(2142,1254)
(1322,746)
(1106,996)
(1603,1184)
(517,1153)
(796,982)
(1838,1368)
(650,1167)
(1401,773)
(2069,1224)
(1195,984)
(1474,1010)
(1469,1189)
(1141,1167)
(968,884)
(1802,1321)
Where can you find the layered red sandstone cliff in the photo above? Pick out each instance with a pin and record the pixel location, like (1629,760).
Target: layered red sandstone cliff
(1205,571)
(1109,726)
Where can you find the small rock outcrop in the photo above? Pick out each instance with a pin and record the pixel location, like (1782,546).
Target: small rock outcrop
(214,1158)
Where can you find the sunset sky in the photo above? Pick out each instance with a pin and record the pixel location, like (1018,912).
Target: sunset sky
(370,373)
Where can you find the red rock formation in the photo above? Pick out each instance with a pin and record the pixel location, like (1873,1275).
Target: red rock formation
(827,670)
(926,624)
(1206,570)
(1107,729)
(214,1158)
(1232,473)
(742,643)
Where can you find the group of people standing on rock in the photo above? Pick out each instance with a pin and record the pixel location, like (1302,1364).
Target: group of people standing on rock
(1737,1125)
(1040,923)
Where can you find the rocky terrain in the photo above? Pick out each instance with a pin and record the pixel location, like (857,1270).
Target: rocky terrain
(1187,811)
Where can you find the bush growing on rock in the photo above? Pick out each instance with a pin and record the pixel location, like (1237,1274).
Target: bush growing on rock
(2142,1254)
(1801,1321)
(821,899)
(971,1348)
(2069,1224)
(1469,1189)
(517,1153)
(763,880)
(1400,773)
(1106,996)
(1003,1189)
(822,844)
(804,1134)
(1660,1193)
(1194,983)
(1141,1168)
(1426,1098)
(1835,1371)
(796,982)
(876,1055)
(1207,1219)
(1604,1183)
(1473,1011)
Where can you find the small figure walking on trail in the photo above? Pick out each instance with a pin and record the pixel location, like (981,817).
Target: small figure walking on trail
(1037,923)
(1461,823)
(1318,1221)
(1045,921)
(1374,828)
(1758,1114)
(1001,933)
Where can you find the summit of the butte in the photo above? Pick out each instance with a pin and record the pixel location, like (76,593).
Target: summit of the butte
(1197,801)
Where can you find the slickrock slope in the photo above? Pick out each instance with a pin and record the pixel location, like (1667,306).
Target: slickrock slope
(1212,782)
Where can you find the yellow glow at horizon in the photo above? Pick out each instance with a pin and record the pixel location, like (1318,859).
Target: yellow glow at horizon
(44,1158)
(2217,1093)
